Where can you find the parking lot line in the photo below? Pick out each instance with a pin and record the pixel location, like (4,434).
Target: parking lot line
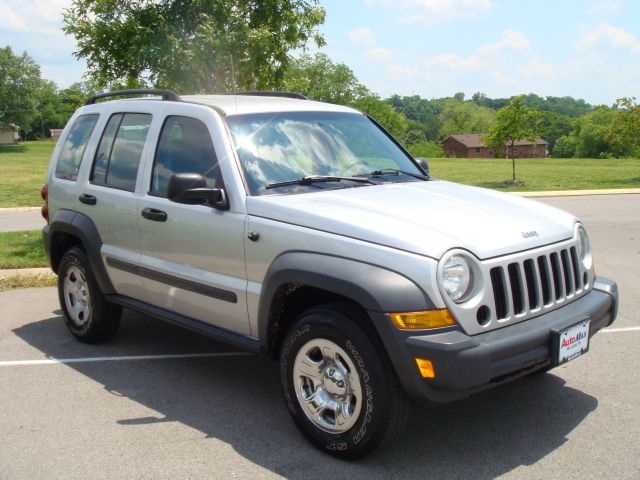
(619,330)
(56,361)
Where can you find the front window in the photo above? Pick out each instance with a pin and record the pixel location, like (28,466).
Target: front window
(281,147)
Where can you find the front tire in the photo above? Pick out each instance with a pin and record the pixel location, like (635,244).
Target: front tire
(89,317)
(339,386)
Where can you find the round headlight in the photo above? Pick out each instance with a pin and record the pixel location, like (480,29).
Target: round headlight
(584,248)
(457,277)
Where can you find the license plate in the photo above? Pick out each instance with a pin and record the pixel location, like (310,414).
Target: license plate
(571,342)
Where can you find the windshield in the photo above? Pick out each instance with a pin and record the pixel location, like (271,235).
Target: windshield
(283,147)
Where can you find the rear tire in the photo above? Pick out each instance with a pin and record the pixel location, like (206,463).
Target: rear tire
(89,317)
(338,383)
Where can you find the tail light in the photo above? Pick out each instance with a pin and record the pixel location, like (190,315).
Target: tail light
(44,193)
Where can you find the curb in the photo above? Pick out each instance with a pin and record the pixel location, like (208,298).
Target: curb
(19,209)
(43,273)
(579,193)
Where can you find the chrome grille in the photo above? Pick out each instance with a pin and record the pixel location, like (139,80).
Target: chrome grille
(529,284)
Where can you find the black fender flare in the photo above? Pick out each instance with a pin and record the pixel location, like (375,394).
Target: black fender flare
(373,287)
(82,227)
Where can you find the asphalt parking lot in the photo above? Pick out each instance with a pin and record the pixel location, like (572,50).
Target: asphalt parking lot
(176,405)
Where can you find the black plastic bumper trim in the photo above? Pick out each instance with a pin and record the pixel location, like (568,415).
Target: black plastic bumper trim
(466,364)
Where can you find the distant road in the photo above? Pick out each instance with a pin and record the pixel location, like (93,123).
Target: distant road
(12,221)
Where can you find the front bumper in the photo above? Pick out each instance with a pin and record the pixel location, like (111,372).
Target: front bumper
(466,364)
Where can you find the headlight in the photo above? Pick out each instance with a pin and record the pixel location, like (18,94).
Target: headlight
(584,248)
(457,278)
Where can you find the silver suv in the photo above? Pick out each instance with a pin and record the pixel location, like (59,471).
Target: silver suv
(304,231)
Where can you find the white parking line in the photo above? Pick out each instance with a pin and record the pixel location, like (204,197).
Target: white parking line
(616,330)
(56,361)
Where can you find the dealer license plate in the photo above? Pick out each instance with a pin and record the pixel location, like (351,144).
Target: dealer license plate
(572,342)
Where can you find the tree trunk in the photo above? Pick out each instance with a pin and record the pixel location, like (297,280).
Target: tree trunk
(513,163)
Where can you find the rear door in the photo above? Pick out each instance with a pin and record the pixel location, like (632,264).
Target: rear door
(108,191)
(192,256)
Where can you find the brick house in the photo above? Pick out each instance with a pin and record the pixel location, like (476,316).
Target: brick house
(469,145)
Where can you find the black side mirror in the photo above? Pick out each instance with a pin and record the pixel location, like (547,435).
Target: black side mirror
(191,189)
(424,165)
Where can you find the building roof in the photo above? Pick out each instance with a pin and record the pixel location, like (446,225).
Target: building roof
(473,140)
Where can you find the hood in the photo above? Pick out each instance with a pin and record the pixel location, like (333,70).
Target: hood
(427,218)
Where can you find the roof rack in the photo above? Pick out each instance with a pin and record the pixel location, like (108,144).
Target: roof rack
(297,96)
(166,94)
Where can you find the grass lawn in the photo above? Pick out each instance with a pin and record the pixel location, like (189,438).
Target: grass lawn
(23,169)
(539,174)
(22,250)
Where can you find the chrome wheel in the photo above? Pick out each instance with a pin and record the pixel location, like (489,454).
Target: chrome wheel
(327,386)
(76,295)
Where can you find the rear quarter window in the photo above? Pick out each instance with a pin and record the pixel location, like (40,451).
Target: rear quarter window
(74,146)
(119,151)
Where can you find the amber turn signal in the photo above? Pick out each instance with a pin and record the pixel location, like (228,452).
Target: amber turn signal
(423,320)
(426,368)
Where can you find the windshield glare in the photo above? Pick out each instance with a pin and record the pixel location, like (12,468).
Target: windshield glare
(278,147)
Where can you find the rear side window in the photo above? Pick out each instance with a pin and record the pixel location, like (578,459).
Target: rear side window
(184,147)
(118,155)
(74,147)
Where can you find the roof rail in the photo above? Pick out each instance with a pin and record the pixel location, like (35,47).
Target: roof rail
(297,96)
(166,94)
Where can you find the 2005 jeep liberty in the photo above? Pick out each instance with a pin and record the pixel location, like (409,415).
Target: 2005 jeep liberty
(304,231)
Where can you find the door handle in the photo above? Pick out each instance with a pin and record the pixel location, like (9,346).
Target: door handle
(154,214)
(88,199)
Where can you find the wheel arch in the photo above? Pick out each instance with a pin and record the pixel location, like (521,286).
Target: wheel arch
(299,280)
(69,228)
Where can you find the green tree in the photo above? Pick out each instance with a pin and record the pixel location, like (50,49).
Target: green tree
(624,133)
(514,122)
(19,83)
(592,132)
(196,46)
(553,126)
(317,77)
(565,147)
(425,112)
(465,117)
(426,149)
(387,116)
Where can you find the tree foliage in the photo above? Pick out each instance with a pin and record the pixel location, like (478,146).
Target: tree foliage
(625,130)
(319,78)
(387,116)
(196,46)
(514,122)
(19,82)
(465,117)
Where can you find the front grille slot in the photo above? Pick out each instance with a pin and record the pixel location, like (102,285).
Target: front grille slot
(576,269)
(499,293)
(567,270)
(532,284)
(517,292)
(557,275)
(545,280)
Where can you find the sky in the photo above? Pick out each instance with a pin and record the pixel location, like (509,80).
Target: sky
(587,49)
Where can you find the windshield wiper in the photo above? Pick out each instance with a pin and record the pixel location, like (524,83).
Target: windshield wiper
(310,179)
(395,171)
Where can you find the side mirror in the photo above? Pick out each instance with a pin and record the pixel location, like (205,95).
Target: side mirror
(191,189)
(424,164)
